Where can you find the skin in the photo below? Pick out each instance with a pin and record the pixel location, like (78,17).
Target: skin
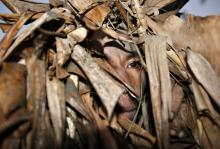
(127,66)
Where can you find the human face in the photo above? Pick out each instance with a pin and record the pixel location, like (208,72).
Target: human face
(128,67)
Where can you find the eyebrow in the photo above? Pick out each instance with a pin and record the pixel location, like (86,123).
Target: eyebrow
(116,44)
(132,54)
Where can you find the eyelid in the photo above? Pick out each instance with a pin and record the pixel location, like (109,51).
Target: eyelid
(132,60)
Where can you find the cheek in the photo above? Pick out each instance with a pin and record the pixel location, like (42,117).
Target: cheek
(137,79)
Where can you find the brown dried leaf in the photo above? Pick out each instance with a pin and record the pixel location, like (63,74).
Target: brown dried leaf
(56,103)
(36,94)
(53,14)
(82,5)
(12,18)
(73,68)
(170,9)
(116,35)
(135,129)
(205,74)
(94,18)
(61,73)
(5,27)
(160,86)
(212,132)
(209,104)
(177,97)
(199,100)
(12,75)
(55,3)
(73,98)
(63,53)
(123,12)
(108,91)
(9,37)
(158,3)
(18,119)
(77,35)
(19,6)
(185,34)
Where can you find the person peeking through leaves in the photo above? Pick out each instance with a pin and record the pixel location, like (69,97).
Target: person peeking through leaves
(126,64)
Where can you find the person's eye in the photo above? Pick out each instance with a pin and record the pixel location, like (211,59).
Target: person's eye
(134,64)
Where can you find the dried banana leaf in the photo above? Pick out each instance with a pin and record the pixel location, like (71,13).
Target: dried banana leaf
(70,96)
(9,37)
(32,27)
(56,103)
(12,75)
(5,27)
(160,87)
(73,98)
(36,83)
(200,68)
(184,33)
(19,6)
(105,86)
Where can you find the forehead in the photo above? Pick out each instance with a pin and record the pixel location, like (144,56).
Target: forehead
(115,51)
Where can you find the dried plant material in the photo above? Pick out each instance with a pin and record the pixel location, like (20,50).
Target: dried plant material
(199,100)
(5,27)
(116,35)
(158,3)
(20,6)
(32,27)
(123,12)
(63,52)
(19,121)
(55,3)
(19,118)
(184,34)
(36,83)
(140,14)
(207,101)
(177,98)
(68,93)
(200,68)
(9,37)
(170,9)
(135,129)
(12,18)
(78,35)
(61,73)
(95,17)
(81,6)
(160,87)
(211,131)
(73,68)
(71,128)
(73,98)
(163,8)
(56,103)
(12,75)
(177,59)
(106,88)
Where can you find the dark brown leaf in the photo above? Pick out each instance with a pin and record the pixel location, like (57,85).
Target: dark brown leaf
(12,75)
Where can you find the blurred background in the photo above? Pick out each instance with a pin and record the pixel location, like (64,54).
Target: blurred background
(196,7)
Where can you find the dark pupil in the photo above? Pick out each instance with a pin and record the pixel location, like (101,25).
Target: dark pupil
(135,64)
